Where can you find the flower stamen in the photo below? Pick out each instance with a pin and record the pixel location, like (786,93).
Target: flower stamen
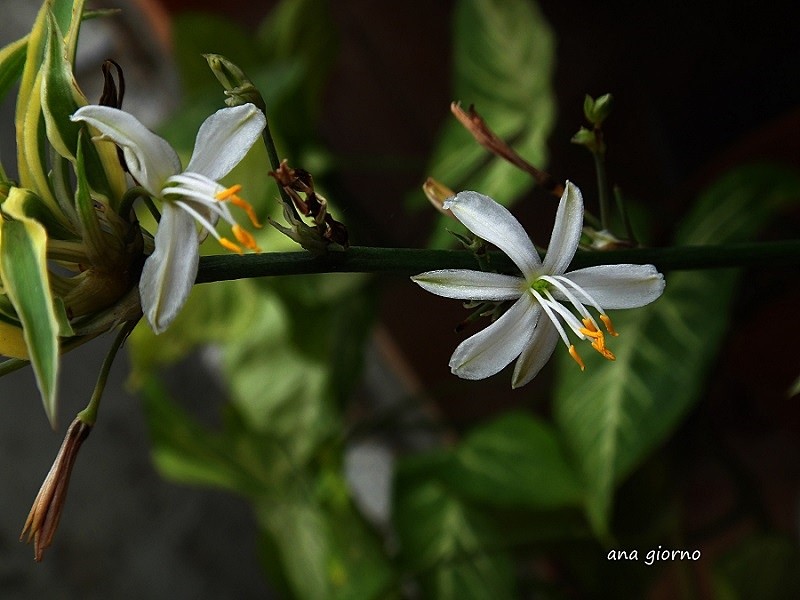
(609,326)
(226,243)
(589,329)
(230,195)
(245,238)
(576,357)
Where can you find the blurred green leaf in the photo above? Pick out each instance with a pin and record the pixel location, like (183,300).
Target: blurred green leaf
(514,460)
(325,547)
(795,389)
(322,545)
(235,459)
(450,548)
(197,34)
(614,414)
(762,567)
(300,33)
(504,59)
(23,271)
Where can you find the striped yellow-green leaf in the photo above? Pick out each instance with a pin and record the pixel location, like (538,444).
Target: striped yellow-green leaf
(31,148)
(12,59)
(12,341)
(23,269)
(61,97)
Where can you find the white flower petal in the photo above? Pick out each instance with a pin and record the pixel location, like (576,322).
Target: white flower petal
(150,159)
(566,231)
(488,351)
(618,286)
(224,138)
(169,272)
(494,223)
(536,353)
(463,284)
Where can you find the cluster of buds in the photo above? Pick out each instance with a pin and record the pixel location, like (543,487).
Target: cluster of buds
(298,185)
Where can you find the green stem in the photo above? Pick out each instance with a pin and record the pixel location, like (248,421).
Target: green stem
(275,163)
(409,261)
(89,414)
(602,182)
(126,204)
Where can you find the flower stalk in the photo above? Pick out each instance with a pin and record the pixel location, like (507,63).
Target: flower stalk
(407,261)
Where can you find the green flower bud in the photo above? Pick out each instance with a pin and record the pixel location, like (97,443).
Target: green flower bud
(597,110)
(239,89)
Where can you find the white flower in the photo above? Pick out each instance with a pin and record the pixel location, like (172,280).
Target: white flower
(543,289)
(187,196)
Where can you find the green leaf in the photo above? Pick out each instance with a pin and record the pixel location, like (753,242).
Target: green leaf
(451,548)
(615,413)
(761,567)
(61,97)
(32,154)
(515,460)
(233,459)
(23,271)
(12,60)
(504,59)
(302,537)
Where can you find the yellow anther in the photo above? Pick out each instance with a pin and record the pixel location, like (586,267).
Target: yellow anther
(609,326)
(576,357)
(589,330)
(600,345)
(247,208)
(230,245)
(245,238)
(225,194)
(229,195)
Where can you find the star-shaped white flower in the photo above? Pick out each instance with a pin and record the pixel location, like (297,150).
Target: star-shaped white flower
(548,302)
(187,196)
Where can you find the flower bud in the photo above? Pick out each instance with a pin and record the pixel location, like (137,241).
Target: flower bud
(239,89)
(436,193)
(597,110)
(45,513)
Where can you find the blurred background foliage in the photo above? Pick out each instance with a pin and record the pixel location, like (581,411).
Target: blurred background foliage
(687,441)
(515,505)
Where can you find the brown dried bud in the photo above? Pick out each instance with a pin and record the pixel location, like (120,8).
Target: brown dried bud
(487,138)
(45,513)
(310,204)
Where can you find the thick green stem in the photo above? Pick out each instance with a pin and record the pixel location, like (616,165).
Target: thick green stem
(409,261)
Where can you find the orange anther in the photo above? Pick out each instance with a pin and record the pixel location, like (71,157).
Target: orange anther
(576,357)
(245,238)
(609,326)
(229,195)
(225,194)
(247,208)
(230,245)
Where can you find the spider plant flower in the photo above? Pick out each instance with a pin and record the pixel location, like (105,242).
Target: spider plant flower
(549,304)
(188,196)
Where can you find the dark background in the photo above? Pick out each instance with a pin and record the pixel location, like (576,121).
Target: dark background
(699,88)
